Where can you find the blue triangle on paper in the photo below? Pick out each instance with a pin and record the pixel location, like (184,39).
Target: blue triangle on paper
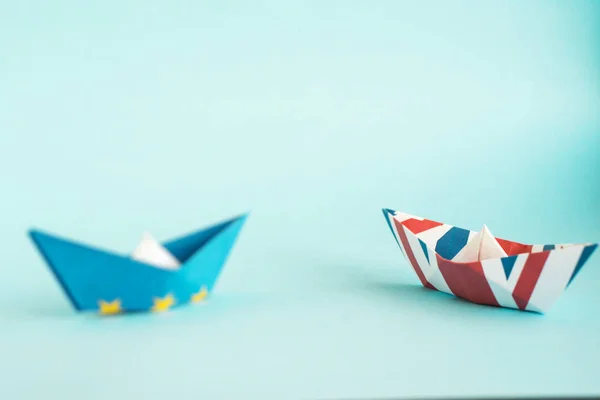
(452,242)
(386,213)
(548,247)
(508,263)
(585,254)
(424,247)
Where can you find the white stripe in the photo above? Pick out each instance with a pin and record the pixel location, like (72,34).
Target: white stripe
(436,278)
(417,250)
(431,236)
(554,277)
(494,273)
(395,230)
(563,245)
(390,221)
(430,269)
(515,274)
(537,248)
(401,217)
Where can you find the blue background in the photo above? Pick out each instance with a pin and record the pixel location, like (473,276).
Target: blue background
(123,116)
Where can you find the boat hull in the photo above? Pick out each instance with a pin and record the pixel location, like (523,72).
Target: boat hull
(97,280)
(529,278)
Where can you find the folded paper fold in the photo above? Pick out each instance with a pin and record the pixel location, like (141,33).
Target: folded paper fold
(484,269)
(480,246)
(156,277)
(150,251)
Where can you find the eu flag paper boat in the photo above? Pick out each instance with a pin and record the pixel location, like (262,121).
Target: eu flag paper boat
(155,277)
(483,269)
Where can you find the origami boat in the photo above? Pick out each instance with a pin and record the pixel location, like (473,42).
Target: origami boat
(483,269)
(155,277)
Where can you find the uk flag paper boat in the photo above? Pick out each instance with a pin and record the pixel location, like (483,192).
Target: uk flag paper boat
(155,277)
(483,269)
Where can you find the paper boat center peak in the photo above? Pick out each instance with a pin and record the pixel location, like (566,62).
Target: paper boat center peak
(150,251)
(481,246)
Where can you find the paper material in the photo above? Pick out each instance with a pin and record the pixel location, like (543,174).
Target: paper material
(150,251)
(482,246)
(113,283)
(482,269)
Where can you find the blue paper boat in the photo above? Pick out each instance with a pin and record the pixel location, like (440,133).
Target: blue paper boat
(110,283)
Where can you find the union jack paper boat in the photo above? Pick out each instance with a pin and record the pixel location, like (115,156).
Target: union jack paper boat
(483,269)
(155,277)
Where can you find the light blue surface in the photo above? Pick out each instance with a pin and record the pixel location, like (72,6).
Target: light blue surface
(119,117)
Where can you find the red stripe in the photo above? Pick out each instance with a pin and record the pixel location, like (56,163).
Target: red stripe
(450,272)
(529,277)
(518,248)
(514,248)
(506,245)
(479,287)
(417,226)
(411,255)
(467,281)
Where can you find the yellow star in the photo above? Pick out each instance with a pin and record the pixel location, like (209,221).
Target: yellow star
(163,304)
(110,307)
(200,296)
